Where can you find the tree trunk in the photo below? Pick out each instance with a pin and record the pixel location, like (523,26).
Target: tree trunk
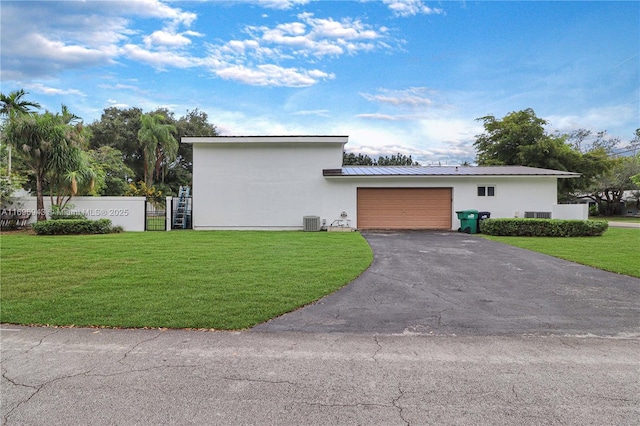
(145,169)
(40,198)
(158,163)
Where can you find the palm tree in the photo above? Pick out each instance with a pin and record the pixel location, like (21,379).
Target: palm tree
(36,136)
(11,106)
(158,144)
(52,147)
(71,169)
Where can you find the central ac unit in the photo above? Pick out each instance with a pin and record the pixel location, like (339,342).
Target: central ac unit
(311,223)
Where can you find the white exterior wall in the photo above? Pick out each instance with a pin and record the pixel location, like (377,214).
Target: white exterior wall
(263,185)
(571,211)
(128,212)
(514,194)
(272,183)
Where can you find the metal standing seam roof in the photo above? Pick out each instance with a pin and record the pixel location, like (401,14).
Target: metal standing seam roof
(446,171)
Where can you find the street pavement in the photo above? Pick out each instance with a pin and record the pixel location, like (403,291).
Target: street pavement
(472,333)
(173,377)
(624,224)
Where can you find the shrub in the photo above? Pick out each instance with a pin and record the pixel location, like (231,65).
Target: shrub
(67,215)
(543,227)
(72,227)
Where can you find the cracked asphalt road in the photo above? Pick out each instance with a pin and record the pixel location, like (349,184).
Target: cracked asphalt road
(527,340)
(155,377)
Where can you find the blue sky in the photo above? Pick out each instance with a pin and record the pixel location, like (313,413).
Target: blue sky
(395,76)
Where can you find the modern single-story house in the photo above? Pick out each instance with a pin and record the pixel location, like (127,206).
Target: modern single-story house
(292,182)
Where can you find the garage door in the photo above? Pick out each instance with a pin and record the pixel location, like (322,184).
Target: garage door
(404,208)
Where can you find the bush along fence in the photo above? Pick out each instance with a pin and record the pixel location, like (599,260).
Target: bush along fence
(127,212)
(543,227)
(75,227)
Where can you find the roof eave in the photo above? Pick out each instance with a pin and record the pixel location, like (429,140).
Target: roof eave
(324,139)
(339,173)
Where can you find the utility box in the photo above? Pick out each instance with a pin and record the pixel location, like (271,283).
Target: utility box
(468,221)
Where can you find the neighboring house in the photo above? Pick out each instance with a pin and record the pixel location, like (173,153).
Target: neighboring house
(628,205)
(273,182)
(630,200)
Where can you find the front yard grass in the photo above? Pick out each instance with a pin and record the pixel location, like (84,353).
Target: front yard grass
(618,250)
(180,279)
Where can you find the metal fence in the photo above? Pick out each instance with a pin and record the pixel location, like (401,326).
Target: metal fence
(155,217)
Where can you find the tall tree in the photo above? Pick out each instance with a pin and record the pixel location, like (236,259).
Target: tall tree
(118,128)
(11,106)
(396,160)
(503,140)
(520,138)
(72,172)
(112,174)
(158,144)
(351,159)
(608,188)
(36,136)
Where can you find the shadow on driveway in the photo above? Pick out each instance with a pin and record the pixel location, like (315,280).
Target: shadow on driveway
(450,283)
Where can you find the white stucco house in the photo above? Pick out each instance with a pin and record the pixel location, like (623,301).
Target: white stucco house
(275,182)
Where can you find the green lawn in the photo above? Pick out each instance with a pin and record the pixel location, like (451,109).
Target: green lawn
(179,279)
(618,250)
(156,223)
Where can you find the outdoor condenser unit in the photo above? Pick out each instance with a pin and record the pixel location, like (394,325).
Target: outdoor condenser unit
(311,223)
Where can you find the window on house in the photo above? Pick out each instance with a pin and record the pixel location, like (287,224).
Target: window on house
(486,191)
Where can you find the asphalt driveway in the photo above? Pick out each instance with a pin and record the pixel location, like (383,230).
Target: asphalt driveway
(457,284)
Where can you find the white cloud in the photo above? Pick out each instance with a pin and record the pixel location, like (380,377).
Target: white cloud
(115,104)
(281,4)
(37,46)
(53,39)
(155,9)
(384,117)
(164,38)
(346,29)
(413,97)
(57,36)
(314,37)
(272,75)
(317,112)
(46,90)
(597,119)
(158,59)
(259,60)
(404,8)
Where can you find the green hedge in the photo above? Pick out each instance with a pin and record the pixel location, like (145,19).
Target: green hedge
(72,227)
(65,215)
(543,227)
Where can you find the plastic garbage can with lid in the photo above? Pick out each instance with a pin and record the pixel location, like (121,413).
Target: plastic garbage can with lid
(468,221)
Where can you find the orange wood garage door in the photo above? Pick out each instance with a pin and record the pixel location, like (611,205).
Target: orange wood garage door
(404,208)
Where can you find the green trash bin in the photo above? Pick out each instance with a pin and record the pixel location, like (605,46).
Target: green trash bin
(468,221)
